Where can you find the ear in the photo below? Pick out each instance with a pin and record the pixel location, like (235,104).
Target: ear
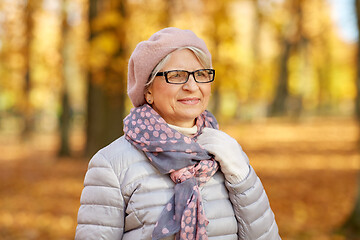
(148,96)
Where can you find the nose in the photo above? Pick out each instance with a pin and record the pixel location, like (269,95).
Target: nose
(191,85)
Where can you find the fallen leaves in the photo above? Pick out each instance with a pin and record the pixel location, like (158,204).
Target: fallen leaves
(309,170)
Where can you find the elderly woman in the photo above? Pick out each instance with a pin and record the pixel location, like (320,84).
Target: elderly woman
(173,175)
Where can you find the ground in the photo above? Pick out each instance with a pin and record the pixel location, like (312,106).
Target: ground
(309,169)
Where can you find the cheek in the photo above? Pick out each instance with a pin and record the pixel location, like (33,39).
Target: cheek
(206,91)
(165,93)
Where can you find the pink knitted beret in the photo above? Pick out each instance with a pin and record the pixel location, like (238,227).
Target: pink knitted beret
(148,54)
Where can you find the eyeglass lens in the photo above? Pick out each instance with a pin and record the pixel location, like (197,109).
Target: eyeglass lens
(178,76)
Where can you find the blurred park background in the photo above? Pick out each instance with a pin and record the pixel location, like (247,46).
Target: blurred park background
(287,88)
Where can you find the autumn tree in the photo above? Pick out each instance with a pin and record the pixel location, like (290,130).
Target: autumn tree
(29,9)
(107,72)
(16,37)
(352,225)
(256,54)
(323,61)
(65,114)
(291,39)
(220,32)
(357,101)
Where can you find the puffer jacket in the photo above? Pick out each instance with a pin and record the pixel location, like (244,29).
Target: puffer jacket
(124,195)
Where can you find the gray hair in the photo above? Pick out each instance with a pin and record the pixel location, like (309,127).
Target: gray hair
(200,55)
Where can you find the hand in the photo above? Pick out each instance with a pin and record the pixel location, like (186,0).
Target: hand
(233,161)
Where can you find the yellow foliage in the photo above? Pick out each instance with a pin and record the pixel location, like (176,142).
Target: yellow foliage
(111,18)
(244,37)
(102,49)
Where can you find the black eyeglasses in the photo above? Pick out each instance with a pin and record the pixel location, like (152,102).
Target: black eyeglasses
(182,76)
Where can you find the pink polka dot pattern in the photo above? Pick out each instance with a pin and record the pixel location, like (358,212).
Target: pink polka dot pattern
(189,165)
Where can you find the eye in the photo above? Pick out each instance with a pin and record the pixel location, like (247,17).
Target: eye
(176,74)
(173,75)
(202,73)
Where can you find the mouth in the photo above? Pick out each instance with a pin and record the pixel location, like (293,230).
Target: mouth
(189,101)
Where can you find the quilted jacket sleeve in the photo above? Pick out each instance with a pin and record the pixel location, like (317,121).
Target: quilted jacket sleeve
(254,215)
(101,213)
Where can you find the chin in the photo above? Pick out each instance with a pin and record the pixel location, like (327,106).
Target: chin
(191,115)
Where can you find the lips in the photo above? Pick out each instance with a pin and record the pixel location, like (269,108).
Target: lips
(190,101)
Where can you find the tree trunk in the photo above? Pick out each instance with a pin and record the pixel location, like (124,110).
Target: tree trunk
(323,69)
(64,124)
(105,118)
(292,39)
(278,106)
(27,116)
(352,225)
(106,98)
(65,114)
(357,103)
(219,16)
(255,45)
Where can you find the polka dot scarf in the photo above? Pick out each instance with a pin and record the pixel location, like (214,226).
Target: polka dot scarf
(189,165)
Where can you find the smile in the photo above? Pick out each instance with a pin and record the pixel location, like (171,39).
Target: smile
(189,101)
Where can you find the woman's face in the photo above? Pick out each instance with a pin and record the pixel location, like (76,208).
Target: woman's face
(179,104)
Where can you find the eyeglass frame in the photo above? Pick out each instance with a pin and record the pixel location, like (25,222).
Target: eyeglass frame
(189,73)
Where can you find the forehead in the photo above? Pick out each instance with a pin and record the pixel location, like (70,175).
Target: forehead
(183,59)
